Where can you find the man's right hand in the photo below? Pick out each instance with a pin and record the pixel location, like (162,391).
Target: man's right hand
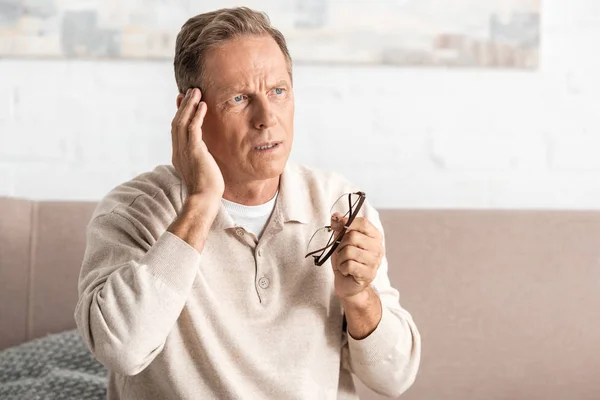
(191,158)
(199,171)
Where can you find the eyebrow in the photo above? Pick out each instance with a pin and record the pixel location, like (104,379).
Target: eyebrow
(239,89)
(282,82)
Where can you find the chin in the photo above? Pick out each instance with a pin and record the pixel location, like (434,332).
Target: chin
(269,170)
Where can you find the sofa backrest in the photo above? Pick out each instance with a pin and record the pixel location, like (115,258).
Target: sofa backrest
(507,302)
(41,248)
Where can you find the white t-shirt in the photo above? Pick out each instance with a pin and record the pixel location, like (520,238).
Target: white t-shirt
(252,218)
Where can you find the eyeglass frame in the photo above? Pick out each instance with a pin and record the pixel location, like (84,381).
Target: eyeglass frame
(335,243)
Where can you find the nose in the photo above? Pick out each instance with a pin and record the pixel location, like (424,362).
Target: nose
(264,116)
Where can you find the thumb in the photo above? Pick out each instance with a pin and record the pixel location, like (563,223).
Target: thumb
(338,221)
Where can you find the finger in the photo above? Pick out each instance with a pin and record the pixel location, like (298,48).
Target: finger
(338,221)
(184,102)
(181,107)
(358,239)
(174,133)
(365,226)
(177,122)
(361,256)
(187,112)
(360,272)
(195,126)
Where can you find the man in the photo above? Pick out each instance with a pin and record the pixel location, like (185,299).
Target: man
(195,283)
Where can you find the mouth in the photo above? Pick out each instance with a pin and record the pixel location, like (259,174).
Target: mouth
(267,146)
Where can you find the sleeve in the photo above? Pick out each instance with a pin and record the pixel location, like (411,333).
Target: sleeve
(388,359)
(131,291)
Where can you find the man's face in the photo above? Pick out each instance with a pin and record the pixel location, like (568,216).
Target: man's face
(248,127)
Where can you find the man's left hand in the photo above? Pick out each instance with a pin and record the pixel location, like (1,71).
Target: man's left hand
(357,257)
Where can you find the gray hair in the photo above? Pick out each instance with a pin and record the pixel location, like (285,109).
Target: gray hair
(211,29)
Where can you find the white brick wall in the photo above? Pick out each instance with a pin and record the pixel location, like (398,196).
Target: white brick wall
(409,137)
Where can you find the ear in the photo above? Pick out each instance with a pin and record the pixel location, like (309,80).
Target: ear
(180,97)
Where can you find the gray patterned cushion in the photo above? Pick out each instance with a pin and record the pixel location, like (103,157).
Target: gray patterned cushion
(57,366)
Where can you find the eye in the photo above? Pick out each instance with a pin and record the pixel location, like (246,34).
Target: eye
(279,91)
(237,99)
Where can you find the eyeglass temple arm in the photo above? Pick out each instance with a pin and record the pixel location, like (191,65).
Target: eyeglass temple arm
(333,242)
(341,233)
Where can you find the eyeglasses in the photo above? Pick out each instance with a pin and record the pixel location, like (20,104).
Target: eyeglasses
(322,244)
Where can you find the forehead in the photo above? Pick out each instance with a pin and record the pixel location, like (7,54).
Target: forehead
(245,61)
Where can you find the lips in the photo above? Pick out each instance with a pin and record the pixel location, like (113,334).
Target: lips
(266,145)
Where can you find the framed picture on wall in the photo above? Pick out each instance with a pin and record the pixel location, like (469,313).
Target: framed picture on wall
(454,33)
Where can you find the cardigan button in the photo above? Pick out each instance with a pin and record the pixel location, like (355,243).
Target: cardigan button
(264,282)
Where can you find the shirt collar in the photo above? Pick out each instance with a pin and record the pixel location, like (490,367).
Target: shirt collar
(293,203)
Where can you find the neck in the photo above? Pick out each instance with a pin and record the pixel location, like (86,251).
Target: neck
(251,193)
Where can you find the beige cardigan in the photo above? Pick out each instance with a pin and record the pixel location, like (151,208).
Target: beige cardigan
(242,320)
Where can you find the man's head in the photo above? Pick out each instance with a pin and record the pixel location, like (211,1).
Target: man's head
(243,68)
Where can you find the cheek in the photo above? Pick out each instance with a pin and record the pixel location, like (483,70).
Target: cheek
(211,121)
(286,113)
(231,138)
(214,134)
(210,127)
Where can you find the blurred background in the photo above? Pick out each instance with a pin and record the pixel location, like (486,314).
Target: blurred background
(425,104)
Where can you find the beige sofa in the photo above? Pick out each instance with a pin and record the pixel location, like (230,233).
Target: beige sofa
(507,302)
